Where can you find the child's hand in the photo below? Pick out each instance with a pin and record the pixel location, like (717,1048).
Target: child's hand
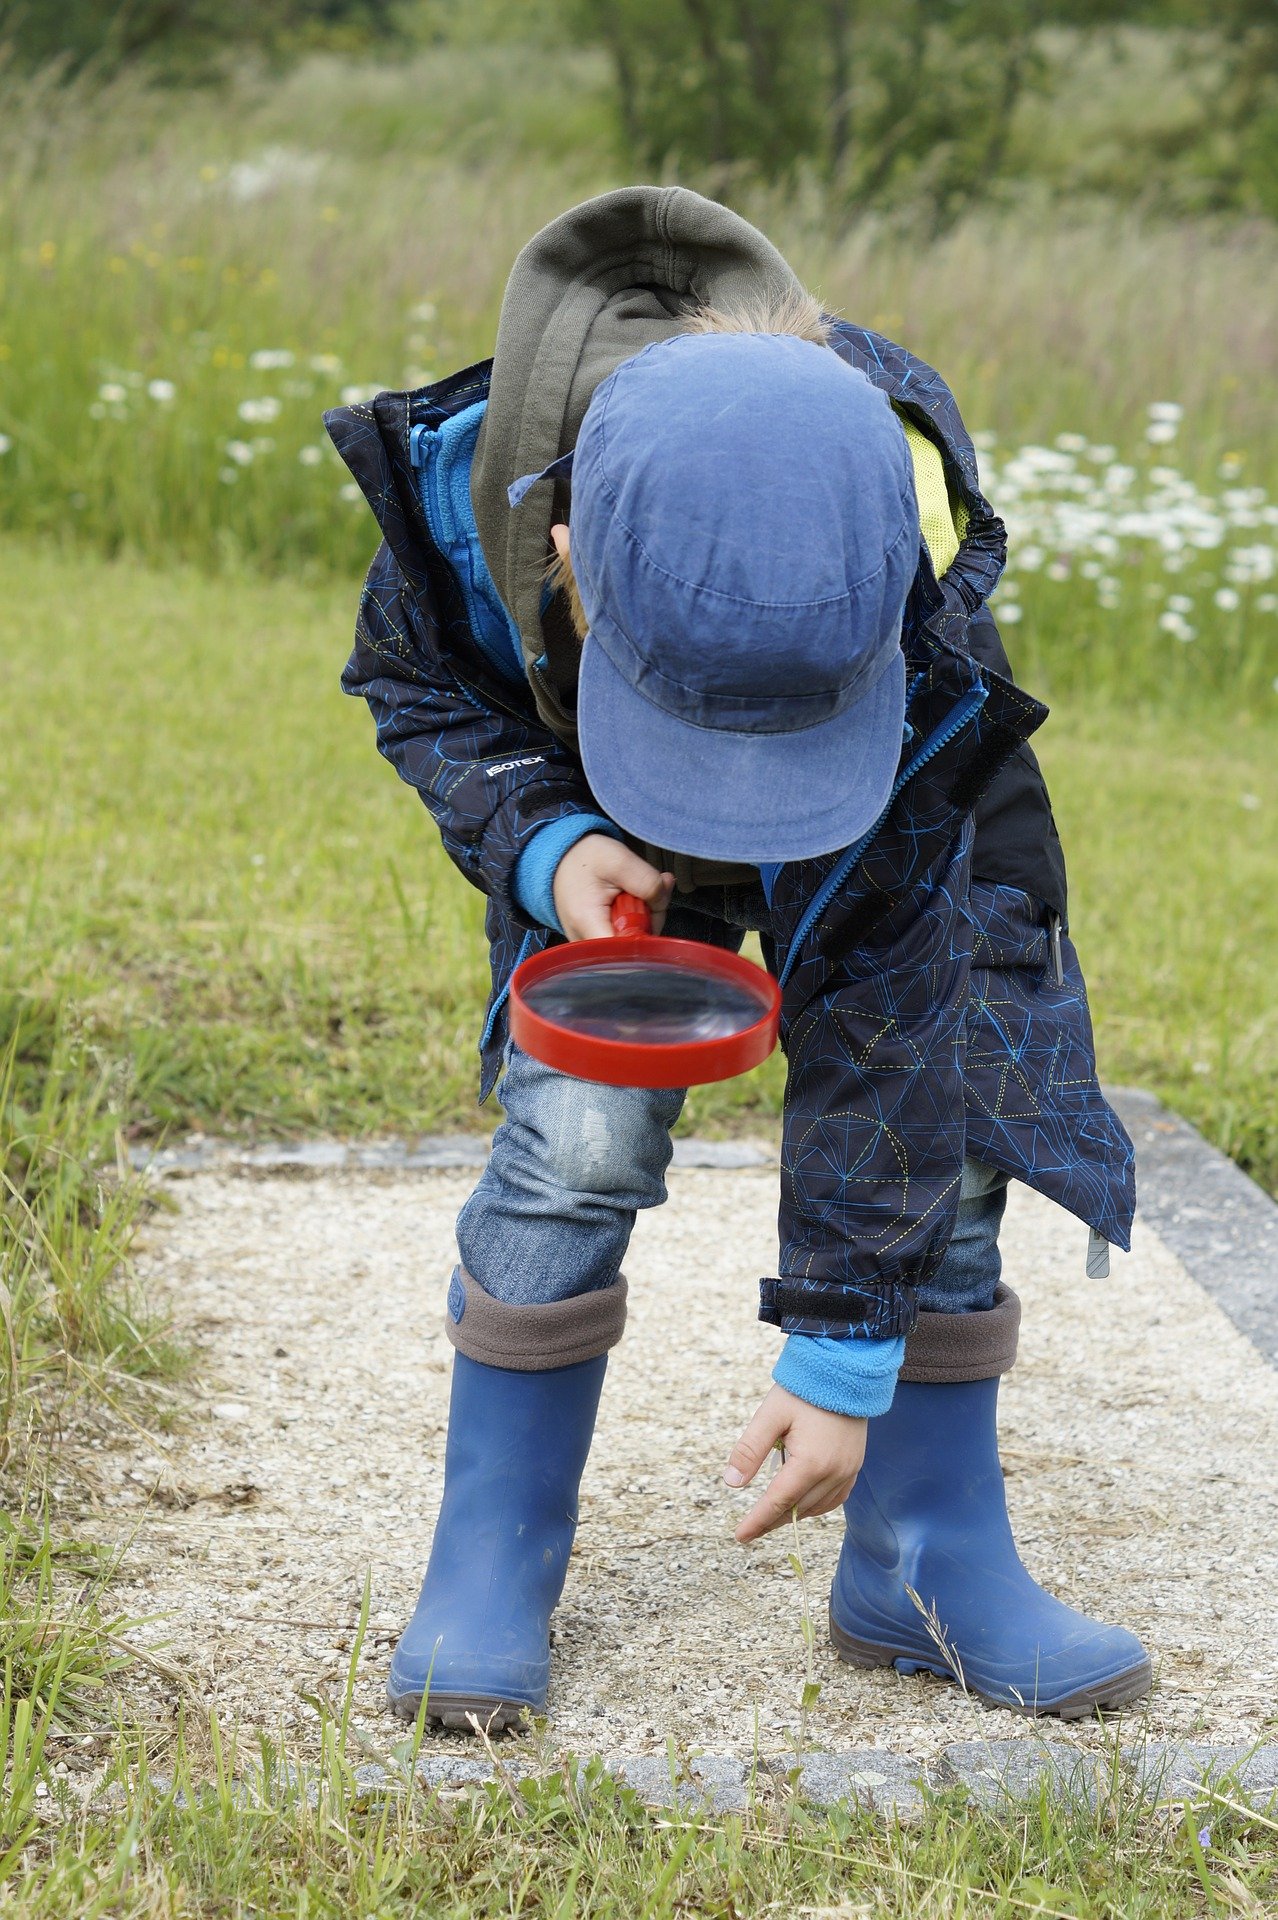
(823,1455)
(591,875)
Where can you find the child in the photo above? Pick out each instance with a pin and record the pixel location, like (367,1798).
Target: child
(683,595)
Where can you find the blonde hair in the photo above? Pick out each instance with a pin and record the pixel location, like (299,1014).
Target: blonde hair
(793,312)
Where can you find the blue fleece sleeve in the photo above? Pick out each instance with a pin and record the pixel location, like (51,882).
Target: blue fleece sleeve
(856,1377)
(534,876)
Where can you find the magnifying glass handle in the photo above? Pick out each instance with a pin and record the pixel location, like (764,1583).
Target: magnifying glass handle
(630,914)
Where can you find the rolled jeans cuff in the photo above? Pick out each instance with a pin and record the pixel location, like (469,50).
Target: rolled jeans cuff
(945,1348)
(533,1339)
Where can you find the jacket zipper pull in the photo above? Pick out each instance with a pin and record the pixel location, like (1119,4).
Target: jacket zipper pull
(1058,962)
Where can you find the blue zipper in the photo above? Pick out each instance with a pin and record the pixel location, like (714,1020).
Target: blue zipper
(500,1001)
(967,709)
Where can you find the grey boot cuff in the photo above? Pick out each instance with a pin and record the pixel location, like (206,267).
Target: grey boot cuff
(949,1347)
(533,1339)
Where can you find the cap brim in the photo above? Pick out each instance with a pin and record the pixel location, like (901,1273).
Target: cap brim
(751,797)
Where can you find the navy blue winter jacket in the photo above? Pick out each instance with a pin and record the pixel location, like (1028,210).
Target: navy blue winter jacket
(932,1001)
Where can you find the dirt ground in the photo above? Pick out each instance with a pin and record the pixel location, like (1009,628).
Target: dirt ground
(1140,1436)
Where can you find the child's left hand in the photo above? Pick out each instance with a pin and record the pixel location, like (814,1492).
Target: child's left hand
(823,1455)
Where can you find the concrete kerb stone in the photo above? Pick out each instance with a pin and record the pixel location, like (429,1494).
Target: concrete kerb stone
(890,1784)
(710,1782)
(433,1152)
(1198,1772)
(995,1774)
(1220,1225)
(997,1771)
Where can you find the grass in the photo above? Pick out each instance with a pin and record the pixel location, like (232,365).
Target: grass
(259,931)
(242,1833)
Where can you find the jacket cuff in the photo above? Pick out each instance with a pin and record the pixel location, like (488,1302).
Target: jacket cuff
(855,1377)
(879,1310)
(534,876)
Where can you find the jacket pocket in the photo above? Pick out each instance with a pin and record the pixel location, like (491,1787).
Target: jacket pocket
(1010,928)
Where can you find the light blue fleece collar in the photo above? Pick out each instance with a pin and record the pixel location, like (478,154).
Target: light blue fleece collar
(442,456)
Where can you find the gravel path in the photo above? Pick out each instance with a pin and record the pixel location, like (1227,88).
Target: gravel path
(1140,1432)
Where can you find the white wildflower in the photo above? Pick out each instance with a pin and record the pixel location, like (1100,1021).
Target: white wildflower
(5,443)
(423,311)
(228,475)
(1071,442)
(240,452)
(1166,412)
(1058,569)
(97,411)
(1251,564)
(1177,626)
(1267,603)
(274,168)
(1180,603)
(325,363)
(259,412)
(1230,467)
(1249,802)
(1160,432)
(1009,612)
(1227,599)
(358,396)
(162,390)
(266,359)
(350,491)
(310,456)
(112,392)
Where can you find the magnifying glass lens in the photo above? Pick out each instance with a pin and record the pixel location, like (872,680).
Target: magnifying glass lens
(645,1005)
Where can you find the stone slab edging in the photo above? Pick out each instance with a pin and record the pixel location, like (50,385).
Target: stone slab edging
(1220,1225)
(430,1153)
(996,1774)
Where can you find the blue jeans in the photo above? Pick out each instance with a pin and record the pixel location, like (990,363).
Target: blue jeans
(572,1163)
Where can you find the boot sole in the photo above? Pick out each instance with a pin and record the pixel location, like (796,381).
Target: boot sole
(458,1712)
(1119,1690)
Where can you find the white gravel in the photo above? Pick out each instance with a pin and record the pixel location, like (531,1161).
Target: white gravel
(1140,1439)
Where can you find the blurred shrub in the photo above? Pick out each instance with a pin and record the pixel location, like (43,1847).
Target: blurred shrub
(184,38)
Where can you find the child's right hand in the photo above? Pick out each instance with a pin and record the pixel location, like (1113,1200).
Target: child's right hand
(591,875)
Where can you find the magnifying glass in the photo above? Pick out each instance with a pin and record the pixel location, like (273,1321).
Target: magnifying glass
(638,1010)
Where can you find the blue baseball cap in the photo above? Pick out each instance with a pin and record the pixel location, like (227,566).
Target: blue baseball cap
(744,533)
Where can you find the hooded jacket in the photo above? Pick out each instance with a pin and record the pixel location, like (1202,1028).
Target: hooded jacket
(932,1002)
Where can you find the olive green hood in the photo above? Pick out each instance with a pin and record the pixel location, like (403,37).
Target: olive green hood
(597,285)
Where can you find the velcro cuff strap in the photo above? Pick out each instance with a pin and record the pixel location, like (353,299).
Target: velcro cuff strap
(533,1339)
(946,1348)
(879,1312)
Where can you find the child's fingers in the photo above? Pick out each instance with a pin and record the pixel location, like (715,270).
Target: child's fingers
(632,874)
(792,1491)
(789,1488)
(770,1422)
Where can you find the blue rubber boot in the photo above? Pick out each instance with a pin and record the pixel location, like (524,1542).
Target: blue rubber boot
(479,1638)
(928,1513)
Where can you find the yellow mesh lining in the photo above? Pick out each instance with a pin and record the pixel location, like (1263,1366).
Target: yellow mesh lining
(942,525)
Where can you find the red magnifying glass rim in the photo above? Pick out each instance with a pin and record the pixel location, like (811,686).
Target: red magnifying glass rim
(636,1063)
